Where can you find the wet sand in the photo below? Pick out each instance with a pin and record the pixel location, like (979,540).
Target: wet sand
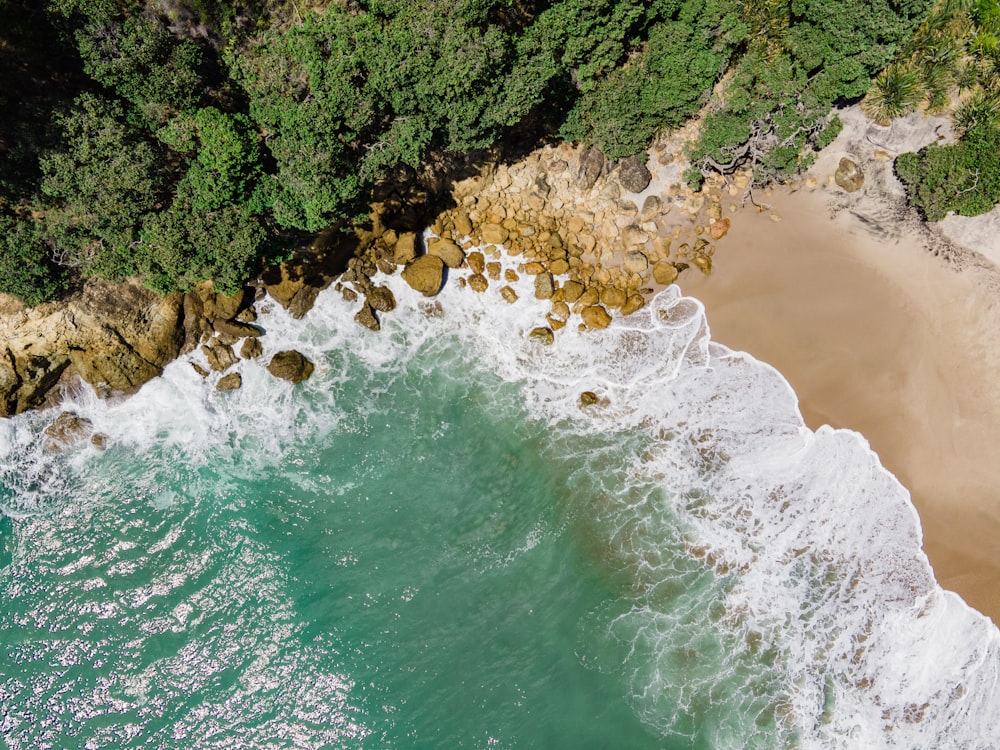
(879,336)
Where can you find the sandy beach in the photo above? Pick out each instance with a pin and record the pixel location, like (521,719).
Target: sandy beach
(878,334)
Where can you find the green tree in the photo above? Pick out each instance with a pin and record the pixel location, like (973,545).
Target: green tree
(100,183)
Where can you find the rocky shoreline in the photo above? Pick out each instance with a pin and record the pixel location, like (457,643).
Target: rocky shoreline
(597,237)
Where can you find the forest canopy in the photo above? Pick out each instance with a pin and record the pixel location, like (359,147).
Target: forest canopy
(185,140)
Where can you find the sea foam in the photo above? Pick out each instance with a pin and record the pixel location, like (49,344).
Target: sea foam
(801,571)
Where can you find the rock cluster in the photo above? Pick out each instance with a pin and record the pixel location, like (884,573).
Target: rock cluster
(594,243)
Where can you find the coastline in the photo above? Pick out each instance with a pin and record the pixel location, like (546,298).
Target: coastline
(839,292)
(883,328)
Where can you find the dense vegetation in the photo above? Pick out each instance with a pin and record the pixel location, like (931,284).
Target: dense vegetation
(952,65)
(182,140)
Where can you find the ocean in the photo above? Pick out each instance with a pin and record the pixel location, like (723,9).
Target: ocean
(431,543)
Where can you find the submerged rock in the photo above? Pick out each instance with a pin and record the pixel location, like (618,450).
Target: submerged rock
(542,335)
(67,430)
(588,398)
(290,365)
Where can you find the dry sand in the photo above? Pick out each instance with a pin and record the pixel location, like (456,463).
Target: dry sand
(877,334)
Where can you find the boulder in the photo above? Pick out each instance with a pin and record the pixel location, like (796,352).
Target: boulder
(251,349)
(447,251)
(220,356)
(405,249)
(542,335)
(633,174)
(425,274)
(665,273)
(572,290)
(595,316)
(508,294)
(231,382)
(366,317)
(67,430)
(591,166)
(478,283)
(613,297)
(493,270)
(381,298)
(635,261)
(543,286)
(703,263)
(493,234)
(634,303)
(235,328)
(476,261)
(290,365)
(588,398)
(849,175)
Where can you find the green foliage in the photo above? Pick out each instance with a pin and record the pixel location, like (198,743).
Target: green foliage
(183,246)
(100,183)
(25,268)
(142,62)
(227,163)
(659,88)
(964,177)
(802,58)
(896,91)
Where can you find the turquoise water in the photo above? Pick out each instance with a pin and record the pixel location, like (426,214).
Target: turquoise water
(430,545)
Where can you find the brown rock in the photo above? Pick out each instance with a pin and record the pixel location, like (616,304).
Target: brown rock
(849,175)
(202,371)
(665,273)
(543,335)
(634,303)
(703,263)
(561,310)
(447,251)
(493,270)
(290,365)
(425,274)
(633,174)
(235,329)
(543,286)
(595,316)
(651,208)
(366,317)
(381,298)
(510,275)
(493,234)
(635,261)
(508,294)
(231,382)
(613,297)
(478,283)
(405,249)
(572,290)
(99,440)
(591,166)
(463,227)
(220,356)
(349,294)
(588,398)
(559,267)
(534,267)
(476,261)
(251,349)
(589,297)
(719,229)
